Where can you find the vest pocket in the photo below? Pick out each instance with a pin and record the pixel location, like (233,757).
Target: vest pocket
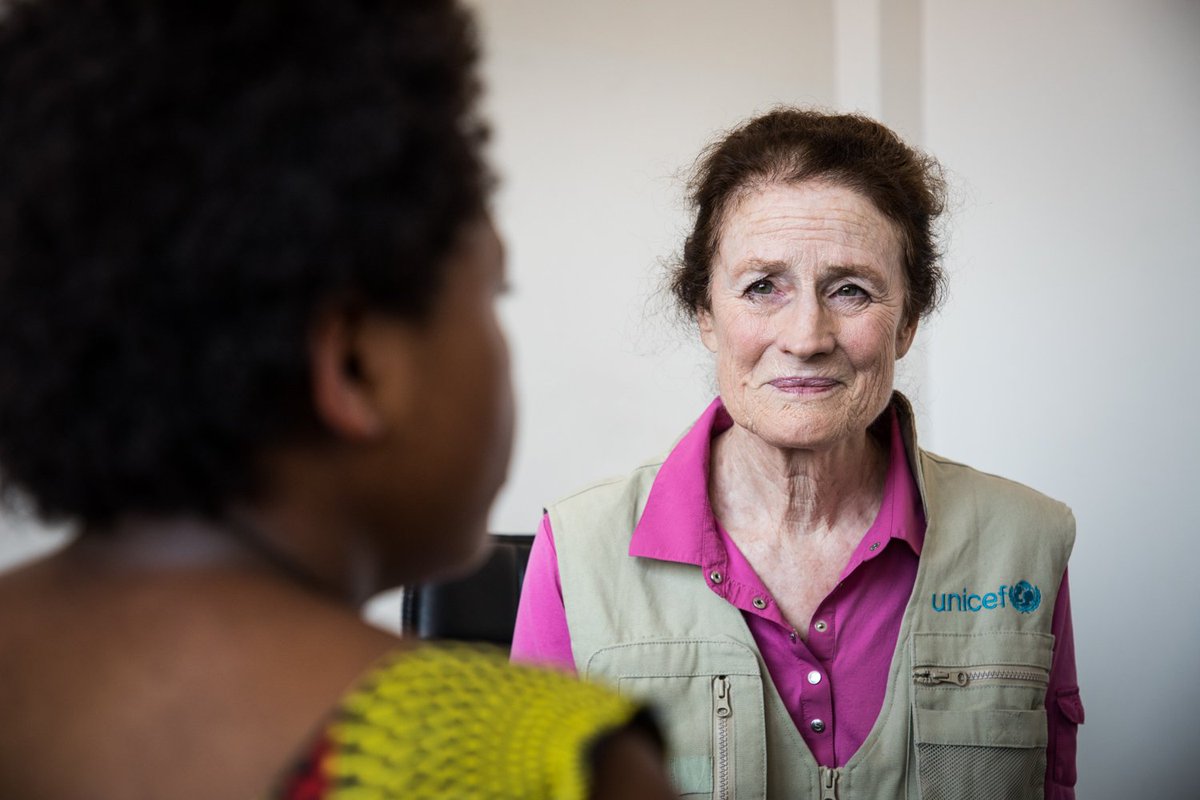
(708,697)
(702,717)
(993,754)
(979,722)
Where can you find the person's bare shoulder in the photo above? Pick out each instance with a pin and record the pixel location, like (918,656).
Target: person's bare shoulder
(127,678)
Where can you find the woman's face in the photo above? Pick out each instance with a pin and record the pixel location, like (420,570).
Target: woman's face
(806,317)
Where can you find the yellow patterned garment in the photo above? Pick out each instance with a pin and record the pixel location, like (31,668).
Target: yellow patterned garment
(457,721)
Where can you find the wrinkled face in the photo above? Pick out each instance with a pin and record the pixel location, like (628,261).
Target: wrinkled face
(806,318)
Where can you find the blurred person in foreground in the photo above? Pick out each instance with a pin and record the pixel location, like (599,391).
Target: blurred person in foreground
(820,607)
(247,342)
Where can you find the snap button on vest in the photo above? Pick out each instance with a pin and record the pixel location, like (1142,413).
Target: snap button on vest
(814,677)
(817,725)
(715,576)
(821,626)
(759,603)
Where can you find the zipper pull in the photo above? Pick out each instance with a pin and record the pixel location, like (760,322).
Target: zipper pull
(721,696)
(930,677)
(829,782)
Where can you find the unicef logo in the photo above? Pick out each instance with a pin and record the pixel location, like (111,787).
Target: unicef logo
(1025,597)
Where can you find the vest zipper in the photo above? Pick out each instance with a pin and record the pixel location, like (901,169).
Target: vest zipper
(723,713)
(932,676)
(829,782)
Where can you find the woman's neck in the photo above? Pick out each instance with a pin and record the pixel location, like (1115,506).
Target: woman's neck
(765,492)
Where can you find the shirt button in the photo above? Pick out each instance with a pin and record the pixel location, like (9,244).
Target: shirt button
(715,576)
(821,626)
(814,677)
(759,603)
(817,725)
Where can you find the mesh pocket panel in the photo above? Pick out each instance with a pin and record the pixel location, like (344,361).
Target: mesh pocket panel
(969,772)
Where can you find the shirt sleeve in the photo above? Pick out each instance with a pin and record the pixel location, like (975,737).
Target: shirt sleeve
(1064,711)
(541,635)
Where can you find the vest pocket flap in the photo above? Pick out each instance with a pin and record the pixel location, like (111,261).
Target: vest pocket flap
(670,658)
(995,647)
(985,728)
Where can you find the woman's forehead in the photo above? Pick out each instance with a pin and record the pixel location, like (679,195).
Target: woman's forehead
(770,222)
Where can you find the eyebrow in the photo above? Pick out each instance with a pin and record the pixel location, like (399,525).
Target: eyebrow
(834,272)
(852,271)
(763,264)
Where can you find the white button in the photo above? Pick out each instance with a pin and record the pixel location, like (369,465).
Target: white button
(814,677)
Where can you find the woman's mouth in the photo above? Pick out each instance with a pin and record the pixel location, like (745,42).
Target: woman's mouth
(801,385)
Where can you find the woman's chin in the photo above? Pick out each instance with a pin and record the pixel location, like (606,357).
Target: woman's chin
(800,431)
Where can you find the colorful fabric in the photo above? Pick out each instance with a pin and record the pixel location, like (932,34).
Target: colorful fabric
(457,721)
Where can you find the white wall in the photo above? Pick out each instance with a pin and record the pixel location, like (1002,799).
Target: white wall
(1065,355)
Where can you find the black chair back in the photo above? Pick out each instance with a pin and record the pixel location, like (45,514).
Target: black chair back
(480,607)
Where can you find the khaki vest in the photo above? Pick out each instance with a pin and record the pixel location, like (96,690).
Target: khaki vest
(963,715)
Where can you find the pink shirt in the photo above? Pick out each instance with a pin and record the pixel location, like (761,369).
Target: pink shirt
(833,684)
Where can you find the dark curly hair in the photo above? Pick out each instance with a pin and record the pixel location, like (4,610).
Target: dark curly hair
(789,145)
(184,185)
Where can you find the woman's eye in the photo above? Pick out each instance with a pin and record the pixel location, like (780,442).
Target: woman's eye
(763,286)
(850,290)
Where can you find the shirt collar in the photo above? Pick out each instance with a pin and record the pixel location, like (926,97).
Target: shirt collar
(677,523)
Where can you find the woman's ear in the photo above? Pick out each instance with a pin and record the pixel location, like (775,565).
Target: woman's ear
(342,395)
(708,334)
(904,338)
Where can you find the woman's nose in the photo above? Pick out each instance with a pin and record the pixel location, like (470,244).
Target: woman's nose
(806,328)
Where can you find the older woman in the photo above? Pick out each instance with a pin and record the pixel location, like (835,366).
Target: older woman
(821,608)
(247,341)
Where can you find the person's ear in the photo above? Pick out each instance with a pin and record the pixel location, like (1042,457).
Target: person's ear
(708,332)
(904,338)
(342,392)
